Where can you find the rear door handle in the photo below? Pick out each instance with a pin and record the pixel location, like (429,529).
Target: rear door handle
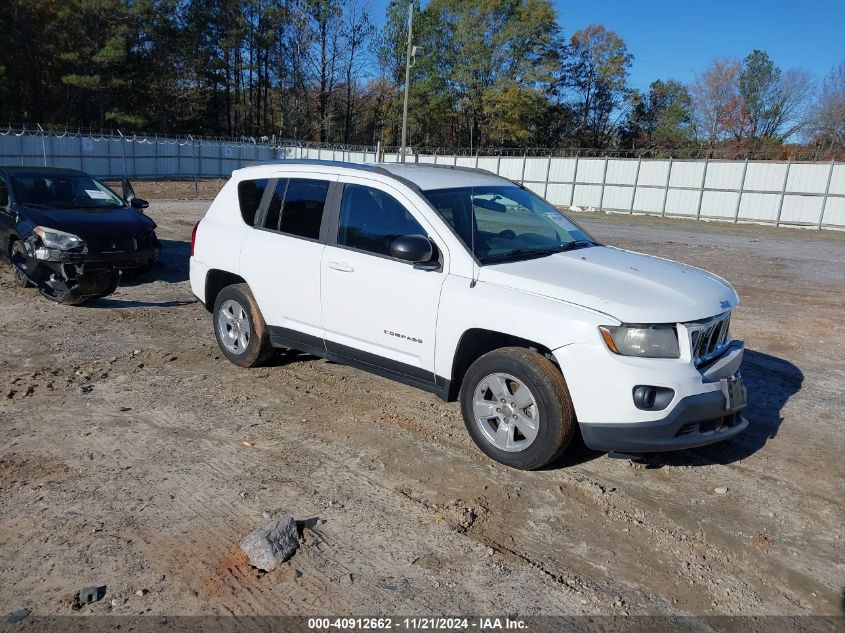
(344,268)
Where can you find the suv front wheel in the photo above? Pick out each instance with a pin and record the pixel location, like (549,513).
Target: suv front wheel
(517,408)
(239,327)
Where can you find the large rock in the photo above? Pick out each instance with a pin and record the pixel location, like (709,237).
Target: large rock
(272,544)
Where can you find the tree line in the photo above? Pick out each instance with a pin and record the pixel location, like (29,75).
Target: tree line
(495,73)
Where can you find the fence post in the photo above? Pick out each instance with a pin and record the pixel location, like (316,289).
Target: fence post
(498,162)
(636,182)
(666,190)
(524,161)
(701,190)
(196,167)
(123,152)
(548,173)
(108,158)
(455,160)
(826,191)
(783,192)
(574,182)
(43,145)
(476,158)
(603,182)
(134,159)
(741,187)
(81,155)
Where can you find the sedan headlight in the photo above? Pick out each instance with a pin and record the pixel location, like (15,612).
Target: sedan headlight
(53,238)
(646,341)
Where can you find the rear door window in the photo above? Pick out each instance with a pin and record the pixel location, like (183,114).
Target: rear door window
(250,193)
(296,207)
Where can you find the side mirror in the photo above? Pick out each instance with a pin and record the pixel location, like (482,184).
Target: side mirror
(127,190)
(416,249)
(138,203)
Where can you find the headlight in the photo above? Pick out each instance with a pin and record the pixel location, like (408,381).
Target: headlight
(52,238)
(647,341)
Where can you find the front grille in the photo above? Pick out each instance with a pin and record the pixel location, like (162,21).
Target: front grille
(709,426)
(709,338)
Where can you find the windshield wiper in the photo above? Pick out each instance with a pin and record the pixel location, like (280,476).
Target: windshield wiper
(527,253)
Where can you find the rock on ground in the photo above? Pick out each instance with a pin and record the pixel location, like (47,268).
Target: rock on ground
(272,544)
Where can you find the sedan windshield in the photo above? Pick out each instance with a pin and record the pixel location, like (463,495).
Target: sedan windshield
(507,223)
(56,190)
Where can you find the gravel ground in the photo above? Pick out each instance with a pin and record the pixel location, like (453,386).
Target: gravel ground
(136,457)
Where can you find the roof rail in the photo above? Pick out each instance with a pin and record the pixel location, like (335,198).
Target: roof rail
(368,167)
(376,168)
(455,167)
(314,161)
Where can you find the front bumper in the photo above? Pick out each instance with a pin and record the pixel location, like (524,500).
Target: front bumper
(601,386)
(121,259)
(696,420)
(72,277)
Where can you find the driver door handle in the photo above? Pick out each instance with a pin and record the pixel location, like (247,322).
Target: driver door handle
(344,268)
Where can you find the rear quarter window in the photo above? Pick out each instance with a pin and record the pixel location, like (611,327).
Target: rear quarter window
(250,193)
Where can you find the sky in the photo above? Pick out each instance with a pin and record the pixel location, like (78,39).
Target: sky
(676,40)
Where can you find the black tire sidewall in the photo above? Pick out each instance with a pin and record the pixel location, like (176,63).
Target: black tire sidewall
(256,351)
(555,418)
(21,283)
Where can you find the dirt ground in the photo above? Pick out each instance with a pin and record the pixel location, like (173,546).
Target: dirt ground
(135,457)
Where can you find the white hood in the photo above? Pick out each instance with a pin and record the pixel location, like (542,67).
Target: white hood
(631,287)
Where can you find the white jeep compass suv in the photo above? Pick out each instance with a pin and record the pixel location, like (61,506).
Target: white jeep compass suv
(467,285)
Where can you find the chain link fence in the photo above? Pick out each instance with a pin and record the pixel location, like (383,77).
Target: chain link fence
(794,192)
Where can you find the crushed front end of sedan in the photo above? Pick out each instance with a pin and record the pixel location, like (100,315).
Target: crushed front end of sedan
(71,236)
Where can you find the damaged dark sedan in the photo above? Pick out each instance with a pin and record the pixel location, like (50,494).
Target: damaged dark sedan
(69,235)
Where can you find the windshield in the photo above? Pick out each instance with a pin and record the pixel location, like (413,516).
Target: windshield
(509,222)
(62,190)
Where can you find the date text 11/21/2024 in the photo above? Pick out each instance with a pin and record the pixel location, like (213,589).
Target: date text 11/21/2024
(416,624)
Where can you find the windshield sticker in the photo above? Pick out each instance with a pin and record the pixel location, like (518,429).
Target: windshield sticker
(558,218)
(96,194)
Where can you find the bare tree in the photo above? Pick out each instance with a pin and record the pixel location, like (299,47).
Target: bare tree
(791,104)
(714,92)
(325,16)
(357,29)
(828,113)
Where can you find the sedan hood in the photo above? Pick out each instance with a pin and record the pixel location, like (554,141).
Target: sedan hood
(92,223)
(631,287)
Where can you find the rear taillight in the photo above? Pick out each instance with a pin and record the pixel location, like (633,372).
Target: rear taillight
(194,237)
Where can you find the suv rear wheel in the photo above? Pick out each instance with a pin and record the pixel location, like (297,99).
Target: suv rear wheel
(517,408)
(239,327)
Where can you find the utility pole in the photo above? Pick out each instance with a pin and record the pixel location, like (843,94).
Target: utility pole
(407,81)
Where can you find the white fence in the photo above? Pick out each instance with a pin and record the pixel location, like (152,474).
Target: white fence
(112,157)
(794,193)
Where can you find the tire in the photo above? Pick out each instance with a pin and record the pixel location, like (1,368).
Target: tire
(249,346)
(113,286)
(534,426)
(20,277)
